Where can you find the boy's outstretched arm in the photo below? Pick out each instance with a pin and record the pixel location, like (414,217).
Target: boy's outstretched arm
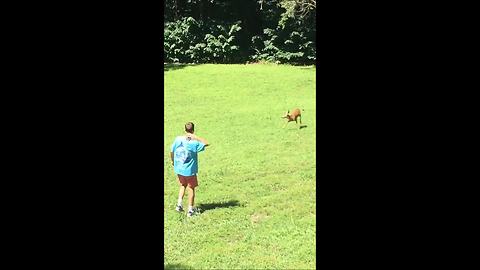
(203,141)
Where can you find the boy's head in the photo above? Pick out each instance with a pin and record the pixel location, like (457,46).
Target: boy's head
(189,127)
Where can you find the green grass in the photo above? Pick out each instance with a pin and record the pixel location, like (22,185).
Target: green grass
(256,180)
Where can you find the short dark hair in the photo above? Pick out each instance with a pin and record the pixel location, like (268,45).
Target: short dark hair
(189,127)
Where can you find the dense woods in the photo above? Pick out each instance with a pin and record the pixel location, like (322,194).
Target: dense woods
(239,31)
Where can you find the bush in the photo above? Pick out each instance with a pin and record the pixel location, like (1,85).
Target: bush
(290,43)
(191,41)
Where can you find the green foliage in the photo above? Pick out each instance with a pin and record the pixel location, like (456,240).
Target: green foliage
(289,6)
(191,41)
(284,46)
(236,31)
(296,9)
(292,39)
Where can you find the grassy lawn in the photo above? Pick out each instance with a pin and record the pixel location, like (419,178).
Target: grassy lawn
(256,181)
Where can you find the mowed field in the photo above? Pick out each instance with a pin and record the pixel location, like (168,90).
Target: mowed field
(257,186)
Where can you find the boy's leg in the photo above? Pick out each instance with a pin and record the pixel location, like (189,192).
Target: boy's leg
(192,183)
(181,193)
(191,197)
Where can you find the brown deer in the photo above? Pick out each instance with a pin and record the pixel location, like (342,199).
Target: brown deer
(293,116)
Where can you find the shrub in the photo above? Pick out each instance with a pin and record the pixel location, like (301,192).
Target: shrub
(291,43)
(191,41)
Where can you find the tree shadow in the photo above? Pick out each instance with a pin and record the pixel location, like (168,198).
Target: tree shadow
(175,66)
(175,266)
(209,206)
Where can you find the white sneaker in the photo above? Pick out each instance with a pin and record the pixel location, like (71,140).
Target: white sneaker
(179,208)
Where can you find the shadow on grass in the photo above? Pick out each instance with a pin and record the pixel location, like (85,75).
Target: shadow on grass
(171,67)
(175,266)
(296,128)
(209,206)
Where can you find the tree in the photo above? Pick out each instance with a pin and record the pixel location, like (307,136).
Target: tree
(271,30)
(296,9)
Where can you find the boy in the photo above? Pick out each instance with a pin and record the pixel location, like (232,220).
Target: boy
(185,163)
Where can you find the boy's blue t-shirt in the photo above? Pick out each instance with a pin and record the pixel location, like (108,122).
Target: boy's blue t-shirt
(185,160)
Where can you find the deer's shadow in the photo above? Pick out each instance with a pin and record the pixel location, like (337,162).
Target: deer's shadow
(210,206)
(297,127)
